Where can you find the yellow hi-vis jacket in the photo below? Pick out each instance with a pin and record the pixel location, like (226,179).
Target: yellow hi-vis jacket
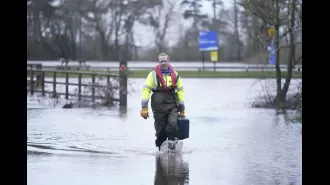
(151,84)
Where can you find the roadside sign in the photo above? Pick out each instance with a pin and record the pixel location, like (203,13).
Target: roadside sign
(272,54)
(208,41)
(271,32)
(214,56)
(123,68)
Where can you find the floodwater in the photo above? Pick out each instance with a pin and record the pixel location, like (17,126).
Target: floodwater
(230,143)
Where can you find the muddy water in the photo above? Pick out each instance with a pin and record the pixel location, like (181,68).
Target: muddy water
(230,143)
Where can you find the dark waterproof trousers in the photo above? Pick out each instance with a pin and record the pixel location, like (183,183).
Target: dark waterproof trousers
(166,115)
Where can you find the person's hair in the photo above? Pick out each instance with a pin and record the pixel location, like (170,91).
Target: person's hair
(164,55)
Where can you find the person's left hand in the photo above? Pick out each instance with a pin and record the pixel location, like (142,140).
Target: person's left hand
(181,114)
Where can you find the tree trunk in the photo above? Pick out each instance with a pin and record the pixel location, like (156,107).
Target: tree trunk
(237,38)
(279,96)
(292,53)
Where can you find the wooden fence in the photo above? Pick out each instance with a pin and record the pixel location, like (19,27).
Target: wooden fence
(36,82)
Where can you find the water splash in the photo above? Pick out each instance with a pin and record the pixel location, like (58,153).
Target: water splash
(166,149)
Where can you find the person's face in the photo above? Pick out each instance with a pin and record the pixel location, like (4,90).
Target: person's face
(163,62)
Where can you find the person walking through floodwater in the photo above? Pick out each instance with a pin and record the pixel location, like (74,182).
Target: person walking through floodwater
(167,100)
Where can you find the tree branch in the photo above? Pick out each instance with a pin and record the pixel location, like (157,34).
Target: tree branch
(297,61)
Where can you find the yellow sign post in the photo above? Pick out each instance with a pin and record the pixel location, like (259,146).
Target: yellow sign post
(271,32)
(214,56)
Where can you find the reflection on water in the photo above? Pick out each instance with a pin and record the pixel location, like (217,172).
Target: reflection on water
(171,170)
(123,111)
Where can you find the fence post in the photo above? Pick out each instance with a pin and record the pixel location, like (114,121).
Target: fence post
(66,85)
(43,83)
(54,85)
(79,86)
(108,80)
(93,88)
(31,81)
(123,83)
(38,74)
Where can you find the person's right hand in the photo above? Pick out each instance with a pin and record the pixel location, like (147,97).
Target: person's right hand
(144,113)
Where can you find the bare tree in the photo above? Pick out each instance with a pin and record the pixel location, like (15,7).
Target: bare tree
(105,30)
(236,31)
(233,21)
(159,18)
(274,13)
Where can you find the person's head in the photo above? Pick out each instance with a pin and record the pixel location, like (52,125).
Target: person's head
(163,60)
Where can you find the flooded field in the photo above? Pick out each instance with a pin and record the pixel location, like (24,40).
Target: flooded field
(230,143)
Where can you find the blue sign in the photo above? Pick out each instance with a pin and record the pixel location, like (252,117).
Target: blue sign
(272,59)
(272,54)
(208,41)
